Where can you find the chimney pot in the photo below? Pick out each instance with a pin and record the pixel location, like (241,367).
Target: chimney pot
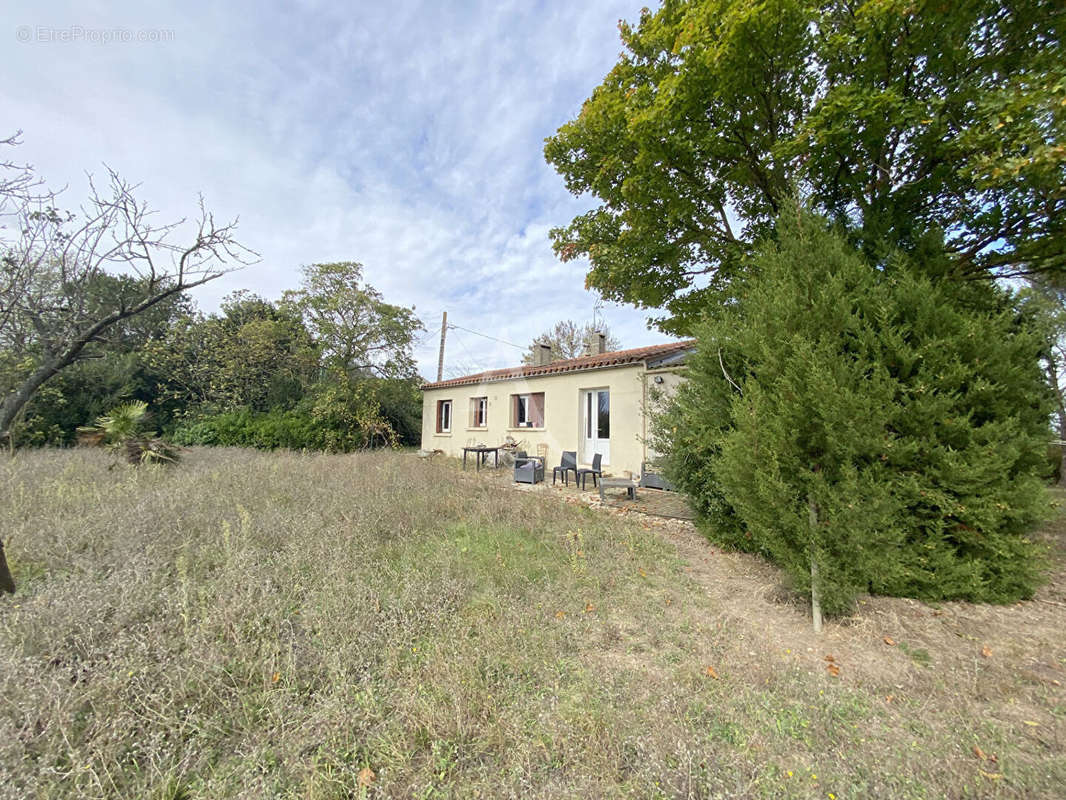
(542,354)
(597,344)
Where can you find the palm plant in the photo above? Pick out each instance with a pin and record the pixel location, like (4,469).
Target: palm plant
(124,430)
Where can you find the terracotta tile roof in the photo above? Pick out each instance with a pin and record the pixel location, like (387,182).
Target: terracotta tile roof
(616,358)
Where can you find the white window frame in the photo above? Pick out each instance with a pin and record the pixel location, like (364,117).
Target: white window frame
(521,416)
(444,416)
(481,411)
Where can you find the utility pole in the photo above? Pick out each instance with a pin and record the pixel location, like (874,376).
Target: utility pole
(440,358)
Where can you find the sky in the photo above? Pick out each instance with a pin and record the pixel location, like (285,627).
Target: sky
(407,136)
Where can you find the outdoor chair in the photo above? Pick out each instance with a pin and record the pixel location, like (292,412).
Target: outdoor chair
(527,469)
(652,478)
(595,472)
(569,465)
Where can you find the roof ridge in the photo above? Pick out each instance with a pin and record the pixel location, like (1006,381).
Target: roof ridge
(612,358)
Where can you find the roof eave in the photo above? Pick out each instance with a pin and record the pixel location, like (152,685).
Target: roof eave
(504,378)
(674,359)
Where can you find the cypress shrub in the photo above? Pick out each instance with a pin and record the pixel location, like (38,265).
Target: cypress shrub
(887,426)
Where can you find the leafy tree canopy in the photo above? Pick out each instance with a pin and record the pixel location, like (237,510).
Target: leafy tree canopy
(359,332)
(895,119)
(252,354)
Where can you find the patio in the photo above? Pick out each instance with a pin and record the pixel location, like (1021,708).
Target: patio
(652,502)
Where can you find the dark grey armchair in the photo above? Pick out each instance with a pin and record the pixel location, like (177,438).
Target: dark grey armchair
(528,469)
(568,465)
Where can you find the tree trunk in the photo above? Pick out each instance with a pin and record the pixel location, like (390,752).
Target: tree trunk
(7,580)
(816,595)
(14,402)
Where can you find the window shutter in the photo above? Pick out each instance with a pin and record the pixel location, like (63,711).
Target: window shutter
(536,411)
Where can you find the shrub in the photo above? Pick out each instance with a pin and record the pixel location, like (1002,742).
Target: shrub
(266,430)
(884,426)
(334,418)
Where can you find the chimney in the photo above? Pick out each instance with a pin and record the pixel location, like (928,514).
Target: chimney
(596,344)
(542,354)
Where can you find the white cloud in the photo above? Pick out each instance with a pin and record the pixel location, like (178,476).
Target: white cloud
(406,136)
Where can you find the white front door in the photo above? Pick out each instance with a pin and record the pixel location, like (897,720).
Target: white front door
(596,425)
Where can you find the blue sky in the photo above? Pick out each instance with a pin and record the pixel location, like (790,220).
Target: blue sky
(407,136)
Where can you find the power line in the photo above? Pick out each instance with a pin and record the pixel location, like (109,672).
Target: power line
(474,361)
(477,333)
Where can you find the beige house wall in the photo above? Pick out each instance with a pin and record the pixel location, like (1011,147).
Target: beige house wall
(628,386)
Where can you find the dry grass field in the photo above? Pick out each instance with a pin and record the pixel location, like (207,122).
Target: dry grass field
(309,626)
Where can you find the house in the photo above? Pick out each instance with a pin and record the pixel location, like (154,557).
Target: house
(598,403)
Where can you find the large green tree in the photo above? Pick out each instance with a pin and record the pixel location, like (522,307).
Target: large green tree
(894,117)
(250,355)
(360,334)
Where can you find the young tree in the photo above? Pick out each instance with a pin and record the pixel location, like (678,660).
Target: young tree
(568,339)
(360,334)
(894,119)
(867,429)
(51,313)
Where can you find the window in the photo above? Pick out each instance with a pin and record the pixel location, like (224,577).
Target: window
(479,412)
(527,410)
(598,414)
(444,416)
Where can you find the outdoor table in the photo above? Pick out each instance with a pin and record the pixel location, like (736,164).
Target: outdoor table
(618,483)
(482,452)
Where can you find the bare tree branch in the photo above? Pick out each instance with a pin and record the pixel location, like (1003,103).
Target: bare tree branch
(50,260)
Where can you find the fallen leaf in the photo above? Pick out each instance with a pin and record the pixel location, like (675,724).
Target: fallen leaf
(834,670)
(1031,724)
(366,776)
(889,641)
(711,672)
(560,614)
(589,608)
(889,698)
(986,651)
(992,776)
(643,574)
(830,659)
(275,677)
(977,751)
